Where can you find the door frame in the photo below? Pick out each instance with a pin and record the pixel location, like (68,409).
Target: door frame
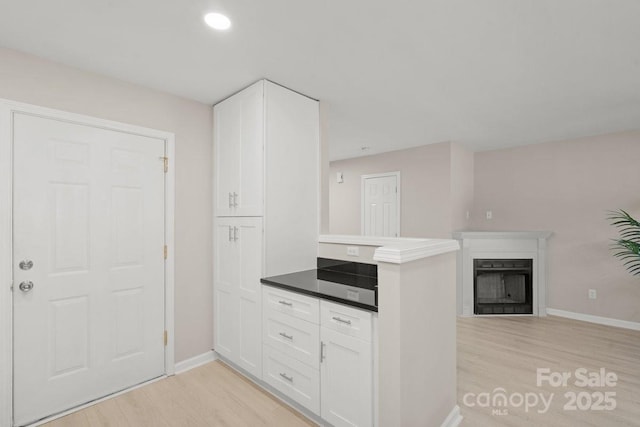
(7,110)
(363,178)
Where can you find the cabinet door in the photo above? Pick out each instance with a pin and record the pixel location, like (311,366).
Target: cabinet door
(226,267)
(248,239)
(238,124)
(237,292)
(346,374)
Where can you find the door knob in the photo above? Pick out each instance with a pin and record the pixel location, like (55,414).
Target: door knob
(26,286)
(26,264)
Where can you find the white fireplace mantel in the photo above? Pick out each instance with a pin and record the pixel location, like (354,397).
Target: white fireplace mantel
(502,244)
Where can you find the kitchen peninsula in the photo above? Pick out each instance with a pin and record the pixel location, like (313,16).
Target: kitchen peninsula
(415,344)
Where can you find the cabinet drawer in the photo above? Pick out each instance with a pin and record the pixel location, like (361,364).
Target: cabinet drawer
(292,378)
(347,320)
(291,303)
(294,337)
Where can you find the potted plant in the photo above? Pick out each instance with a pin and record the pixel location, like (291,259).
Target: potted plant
(627,247)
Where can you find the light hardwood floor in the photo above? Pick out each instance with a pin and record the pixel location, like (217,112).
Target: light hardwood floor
(505,352)
(493,352)
(210,395)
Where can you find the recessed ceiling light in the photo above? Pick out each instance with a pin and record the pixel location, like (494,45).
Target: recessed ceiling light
(217,21)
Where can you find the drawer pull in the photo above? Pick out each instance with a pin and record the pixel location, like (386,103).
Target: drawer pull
(346,322)
(286,377)
(289,337)
(288,304)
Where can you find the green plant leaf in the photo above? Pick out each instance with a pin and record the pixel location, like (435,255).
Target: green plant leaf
(627,248)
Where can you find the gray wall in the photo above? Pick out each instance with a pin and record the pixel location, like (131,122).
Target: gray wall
(433,201)
(567,187)
(32,80)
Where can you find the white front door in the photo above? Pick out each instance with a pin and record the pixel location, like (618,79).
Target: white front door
(88,245)
(380,205)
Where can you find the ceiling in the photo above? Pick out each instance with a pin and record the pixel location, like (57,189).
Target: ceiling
(391,74)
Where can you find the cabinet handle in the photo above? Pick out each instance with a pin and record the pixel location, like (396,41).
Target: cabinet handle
(235,233)
(235,199)
(321,351)
(230,201)
(346,322)
(230,234)
(289,337)
(289,304)
(286,377)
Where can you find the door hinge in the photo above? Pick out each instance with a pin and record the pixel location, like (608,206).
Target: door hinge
(166,163)
(165,251)
(166,338)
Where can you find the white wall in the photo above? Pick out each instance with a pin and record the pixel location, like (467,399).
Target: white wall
(29,79)
(462,187)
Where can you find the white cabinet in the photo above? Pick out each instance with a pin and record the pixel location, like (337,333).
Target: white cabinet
(266,185)
(237,291)
(320,354)
(346,367)
(292,378)
(291,337)
(239,146)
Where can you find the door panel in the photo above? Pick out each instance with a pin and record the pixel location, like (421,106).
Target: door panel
(239,153)
(225,311)
(226,118)
(251,166)
(237,291)
(380,206)
(346,376)
(89,213)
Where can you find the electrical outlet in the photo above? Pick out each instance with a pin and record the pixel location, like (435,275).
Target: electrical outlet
(353,250)
(468,215)
(489,214)
(593,294)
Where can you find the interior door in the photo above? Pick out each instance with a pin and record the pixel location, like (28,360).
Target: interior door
(89,265)
(380,205)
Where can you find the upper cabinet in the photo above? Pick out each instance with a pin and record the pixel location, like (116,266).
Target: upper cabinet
(267,164)
(239,153)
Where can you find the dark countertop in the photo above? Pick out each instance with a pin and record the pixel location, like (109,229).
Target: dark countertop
(350,289)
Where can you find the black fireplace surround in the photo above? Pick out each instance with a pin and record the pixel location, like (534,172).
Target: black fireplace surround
(502,286)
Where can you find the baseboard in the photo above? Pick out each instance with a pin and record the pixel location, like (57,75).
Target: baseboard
(453,419)
(608,321)
(196,361)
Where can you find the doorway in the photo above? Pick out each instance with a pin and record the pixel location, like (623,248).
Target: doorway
(92,300)
(380,206)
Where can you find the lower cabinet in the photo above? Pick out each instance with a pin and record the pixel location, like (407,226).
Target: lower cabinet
(237,293)
(292,378)
(319,354)
(346,372)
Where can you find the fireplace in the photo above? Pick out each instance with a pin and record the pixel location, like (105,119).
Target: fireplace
(491,246)
(502,286)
